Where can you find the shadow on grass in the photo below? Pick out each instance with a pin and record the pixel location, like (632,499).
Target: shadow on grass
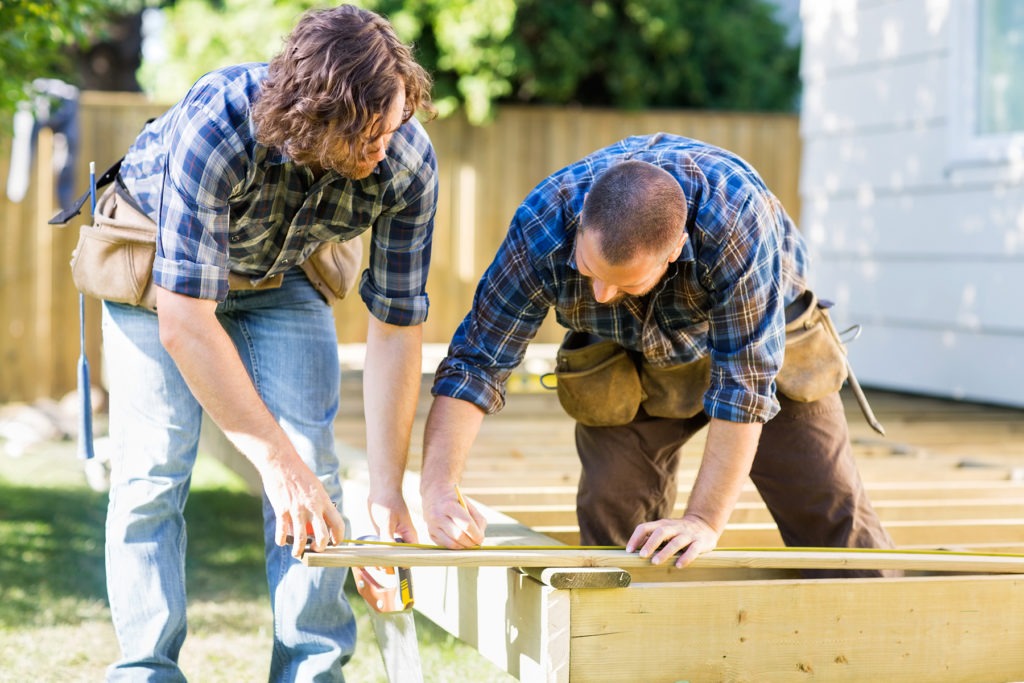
(52,557)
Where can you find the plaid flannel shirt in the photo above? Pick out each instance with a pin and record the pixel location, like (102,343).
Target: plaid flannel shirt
(725,295)
(224,202)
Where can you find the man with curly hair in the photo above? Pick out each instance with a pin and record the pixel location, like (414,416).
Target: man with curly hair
(259,171)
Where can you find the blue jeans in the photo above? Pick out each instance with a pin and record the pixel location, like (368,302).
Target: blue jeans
(286,339)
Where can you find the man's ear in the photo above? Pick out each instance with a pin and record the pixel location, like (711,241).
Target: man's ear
(679,247)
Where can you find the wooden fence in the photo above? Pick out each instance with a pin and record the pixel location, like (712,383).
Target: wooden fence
(484,174)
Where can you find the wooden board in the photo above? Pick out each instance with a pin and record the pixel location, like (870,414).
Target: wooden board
(909,630)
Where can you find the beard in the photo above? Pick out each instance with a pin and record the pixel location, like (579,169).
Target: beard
(354,170)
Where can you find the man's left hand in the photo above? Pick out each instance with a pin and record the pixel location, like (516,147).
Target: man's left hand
(661,540)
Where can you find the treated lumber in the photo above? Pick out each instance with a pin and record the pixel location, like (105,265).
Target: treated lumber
(570,578)
(565,494)
(908,630)
(512,619)
(904,533)
(780,558)
(749,512)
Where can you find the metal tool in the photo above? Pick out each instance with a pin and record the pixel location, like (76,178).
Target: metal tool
(85,446)
(388,592)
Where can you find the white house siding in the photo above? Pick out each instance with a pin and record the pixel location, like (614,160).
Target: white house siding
(925,253)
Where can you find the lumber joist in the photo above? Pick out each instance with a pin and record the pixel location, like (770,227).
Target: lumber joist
(782,558)
(908,630)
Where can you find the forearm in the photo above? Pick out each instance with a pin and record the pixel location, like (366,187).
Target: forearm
(728,456)
(391,385)
(452,427)
(213,370)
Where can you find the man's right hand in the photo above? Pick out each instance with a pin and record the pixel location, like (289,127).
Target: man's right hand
(210,364)
(452,521)
(301,505)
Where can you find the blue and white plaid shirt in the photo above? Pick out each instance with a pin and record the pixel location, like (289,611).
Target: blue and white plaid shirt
(224,202)
(725,295)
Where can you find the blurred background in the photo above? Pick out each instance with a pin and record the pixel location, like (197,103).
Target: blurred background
(892,131)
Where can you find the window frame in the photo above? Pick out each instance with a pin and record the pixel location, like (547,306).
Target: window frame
(966,145)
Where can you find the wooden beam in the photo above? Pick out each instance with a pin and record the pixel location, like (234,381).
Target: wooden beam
(565,493)
(755,512)
(934,629)
(782,558)
(571,578)
(904,533)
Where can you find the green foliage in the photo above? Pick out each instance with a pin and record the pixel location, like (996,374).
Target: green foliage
(654,53)
(200,36)
(727,54)
(34,35)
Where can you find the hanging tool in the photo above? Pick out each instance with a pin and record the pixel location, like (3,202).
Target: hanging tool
(85,446)
(388,592)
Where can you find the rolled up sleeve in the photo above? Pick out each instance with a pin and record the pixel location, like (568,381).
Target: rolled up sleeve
(746,331)
(509,306)
(394,287)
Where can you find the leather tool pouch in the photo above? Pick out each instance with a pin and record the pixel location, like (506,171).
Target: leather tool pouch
(114,257)
(814,364)
(334,268)
(598,383)
(676,391)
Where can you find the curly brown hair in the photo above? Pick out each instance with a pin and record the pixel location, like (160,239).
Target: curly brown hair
(339,73)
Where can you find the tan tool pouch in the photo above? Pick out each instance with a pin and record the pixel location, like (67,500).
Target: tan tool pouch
(814,365)
(334,268)
(598,384)
(676,391)
(114,257)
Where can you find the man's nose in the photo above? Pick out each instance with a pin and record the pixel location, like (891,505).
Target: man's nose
(604,292)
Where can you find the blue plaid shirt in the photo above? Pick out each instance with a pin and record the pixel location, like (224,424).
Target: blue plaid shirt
(725,295)
(224,202)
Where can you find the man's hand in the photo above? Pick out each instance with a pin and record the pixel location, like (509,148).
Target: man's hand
(452,521)
(210,364)
(662,539)
(302,507)
(390,517)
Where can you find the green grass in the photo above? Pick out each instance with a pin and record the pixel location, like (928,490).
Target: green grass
(54,619)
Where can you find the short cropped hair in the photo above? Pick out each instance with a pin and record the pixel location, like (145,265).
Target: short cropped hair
(339,73)
(634,208)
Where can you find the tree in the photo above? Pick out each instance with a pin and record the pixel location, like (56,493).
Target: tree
(726,54)
(37,37)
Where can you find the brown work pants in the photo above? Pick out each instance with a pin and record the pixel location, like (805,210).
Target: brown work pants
(804,470)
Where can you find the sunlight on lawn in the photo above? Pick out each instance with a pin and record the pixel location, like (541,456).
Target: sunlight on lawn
(54,619)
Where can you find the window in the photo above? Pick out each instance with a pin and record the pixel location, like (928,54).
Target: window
(987,85)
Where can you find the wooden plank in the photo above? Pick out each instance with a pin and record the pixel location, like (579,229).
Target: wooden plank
(565,494)
(755,512)
(788,558)
(579,577)
(513,620)
(904,533)
(895,630)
